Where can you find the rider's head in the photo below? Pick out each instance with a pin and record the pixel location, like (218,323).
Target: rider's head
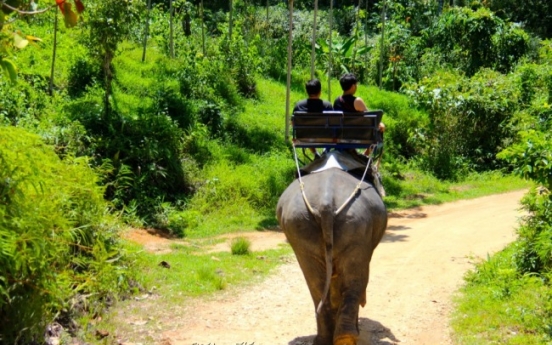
(347,81)
(314,88)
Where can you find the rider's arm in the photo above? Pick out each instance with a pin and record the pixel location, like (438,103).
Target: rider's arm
(361,106)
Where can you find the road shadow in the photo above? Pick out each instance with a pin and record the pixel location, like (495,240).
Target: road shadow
(371,333)
(413,213)
(307,340)
(391,237)
(397,227)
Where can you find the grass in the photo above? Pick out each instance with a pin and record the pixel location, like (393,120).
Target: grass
(499,306)
(418,188)
(240,246)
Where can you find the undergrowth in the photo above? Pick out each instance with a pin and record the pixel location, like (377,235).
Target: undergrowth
(499,305)
(60,252)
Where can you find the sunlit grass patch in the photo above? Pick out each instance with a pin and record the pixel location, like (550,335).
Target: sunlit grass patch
(240,246)
(417,188)
(194,274)
(500,306)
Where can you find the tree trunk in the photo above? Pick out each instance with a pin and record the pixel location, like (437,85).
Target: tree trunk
(356,36)
(230,23)
(330,67)
(108,73)
(54,49)
(314,28)
(202,28)
(146,33)
(171,29)
(382,51)
(267,31)
(288,83)
(245,25)
(187,24)
(366,35)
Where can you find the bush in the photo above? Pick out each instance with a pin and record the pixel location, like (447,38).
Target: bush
(83,74)
(472,40)
(56,238)
(469,120)
(21,104)
(240,246)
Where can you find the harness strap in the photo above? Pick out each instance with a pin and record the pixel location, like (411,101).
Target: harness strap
(357,187)
(301,184)
(355,191)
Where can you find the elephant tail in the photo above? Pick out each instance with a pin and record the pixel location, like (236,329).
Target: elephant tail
(327,225)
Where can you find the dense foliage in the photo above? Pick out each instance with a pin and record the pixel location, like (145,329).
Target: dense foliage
(155,102)
(517,280)
(58,242)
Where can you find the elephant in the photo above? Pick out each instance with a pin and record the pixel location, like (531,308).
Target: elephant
(333,237)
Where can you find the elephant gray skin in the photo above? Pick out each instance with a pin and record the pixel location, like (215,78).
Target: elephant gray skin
(334,251)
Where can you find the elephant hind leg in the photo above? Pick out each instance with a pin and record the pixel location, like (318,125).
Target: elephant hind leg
(346,339)
(347,331)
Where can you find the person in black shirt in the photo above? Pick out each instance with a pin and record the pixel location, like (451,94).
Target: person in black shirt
(348,102)
(313,104)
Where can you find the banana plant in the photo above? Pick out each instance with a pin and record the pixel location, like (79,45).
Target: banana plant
(343,54)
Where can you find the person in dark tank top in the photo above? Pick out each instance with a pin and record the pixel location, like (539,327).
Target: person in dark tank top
(348,102)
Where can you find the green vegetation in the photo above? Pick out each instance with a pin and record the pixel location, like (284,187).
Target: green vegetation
(507,297)
(186,133)
(240,246)
(59,244)
(501,306)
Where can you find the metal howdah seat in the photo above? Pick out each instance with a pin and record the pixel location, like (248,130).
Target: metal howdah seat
(336,129)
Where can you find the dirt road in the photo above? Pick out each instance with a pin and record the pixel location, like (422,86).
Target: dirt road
(414,273)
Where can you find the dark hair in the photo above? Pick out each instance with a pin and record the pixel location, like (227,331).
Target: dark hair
(347,81)
(313,87)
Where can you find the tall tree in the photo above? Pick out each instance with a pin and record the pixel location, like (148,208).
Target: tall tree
(54,50)
(357,24)
(109,22)
(230,23)
(314,28)
(330,57)
(171,29)
(289,61)
(202,28)
(382,43)
(146,31)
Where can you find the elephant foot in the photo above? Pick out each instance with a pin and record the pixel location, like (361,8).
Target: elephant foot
(319,340)
(346,339)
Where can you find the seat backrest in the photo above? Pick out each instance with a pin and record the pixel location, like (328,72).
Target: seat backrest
(336,129)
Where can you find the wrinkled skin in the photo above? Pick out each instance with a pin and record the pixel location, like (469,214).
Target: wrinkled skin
(347,240)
